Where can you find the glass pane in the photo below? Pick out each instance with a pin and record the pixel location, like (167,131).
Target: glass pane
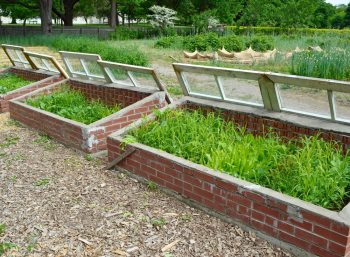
(119,76)
(49,65)
(202,84)
(144,80)
(242,90)
(39,63)
(75,65)
(305,100)
(13,54)
(342,102)
(93,68)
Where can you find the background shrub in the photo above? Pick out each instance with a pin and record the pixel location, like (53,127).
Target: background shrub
(232,43)
(261,43)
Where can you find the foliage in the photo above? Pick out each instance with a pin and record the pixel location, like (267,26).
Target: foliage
(5,246)
(162,17)
(73,105)
(260,43)
(126,54)
(331,64)
(166,42)
(308,168)
(10,82)
(232,43)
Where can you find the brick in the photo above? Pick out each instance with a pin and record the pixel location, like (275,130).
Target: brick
(321,252)
(240,200)
(336,248)
(330,235)
(301,224)
(226,185)
(285,227)
(266,210)
(303,234)
(293,240)
(254,197)
(315,218)
(203,193)
(258,216)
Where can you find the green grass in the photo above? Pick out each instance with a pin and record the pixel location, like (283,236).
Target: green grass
(310,168)
(10,82)
(73,105)
(129,54)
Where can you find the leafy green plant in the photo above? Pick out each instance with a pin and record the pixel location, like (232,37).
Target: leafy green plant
(10,140)
(310,168)
(5,246)
(152,186)
(260,43)
(73,105)
(232,43)
(331,64)
(42,182)
(10,82)
(158,223)
(2,229)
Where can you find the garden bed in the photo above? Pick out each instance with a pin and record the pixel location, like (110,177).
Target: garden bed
(15,82)
(298,223)
(86,113)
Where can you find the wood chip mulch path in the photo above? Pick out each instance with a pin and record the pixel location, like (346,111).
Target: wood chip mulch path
(55,201)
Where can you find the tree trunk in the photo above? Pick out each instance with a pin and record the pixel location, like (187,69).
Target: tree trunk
(13,21)
(46,16)
(68,12)
(114,13)
(24,22)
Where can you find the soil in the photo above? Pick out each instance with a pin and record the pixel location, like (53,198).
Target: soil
(56,201)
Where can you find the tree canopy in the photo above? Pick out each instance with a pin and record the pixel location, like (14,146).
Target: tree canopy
(282,13)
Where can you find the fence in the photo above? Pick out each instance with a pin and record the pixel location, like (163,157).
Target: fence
(102,33)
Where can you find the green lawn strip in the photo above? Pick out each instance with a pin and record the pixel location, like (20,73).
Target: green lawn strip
(10,82)
(310,169)
(73,105)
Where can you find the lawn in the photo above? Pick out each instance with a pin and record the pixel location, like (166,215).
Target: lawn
(72,104)
(310,169)
(10,82)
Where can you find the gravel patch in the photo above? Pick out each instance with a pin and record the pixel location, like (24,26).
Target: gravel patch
(56,201)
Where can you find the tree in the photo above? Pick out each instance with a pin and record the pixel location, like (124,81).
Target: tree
(347,16)
(162,17)
(64,9)
(46,15)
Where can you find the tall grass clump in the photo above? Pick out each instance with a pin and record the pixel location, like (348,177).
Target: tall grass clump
(310,168)
(332,64)
(107,50)
(10,82)
(72,104)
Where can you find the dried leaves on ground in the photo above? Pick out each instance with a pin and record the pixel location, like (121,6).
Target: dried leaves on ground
(56,201)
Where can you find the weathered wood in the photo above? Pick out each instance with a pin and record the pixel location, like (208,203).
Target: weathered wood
(121,157)
(48,58)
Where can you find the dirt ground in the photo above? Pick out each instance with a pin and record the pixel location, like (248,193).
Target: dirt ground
(56,201)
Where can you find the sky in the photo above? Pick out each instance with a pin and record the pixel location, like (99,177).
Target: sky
(338,1)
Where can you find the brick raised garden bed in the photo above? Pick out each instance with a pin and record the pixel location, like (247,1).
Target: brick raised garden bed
(136,102)
(40,79)
(302,227)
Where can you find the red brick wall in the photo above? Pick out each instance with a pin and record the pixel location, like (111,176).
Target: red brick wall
(298,226)
(29,75)
(258,125)
(108,95)
(91,138)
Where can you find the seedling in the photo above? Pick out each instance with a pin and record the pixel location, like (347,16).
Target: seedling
(152,186)
(158,223)
(42,182)
(12,140)
(89,157)
(2,229)
(5,246)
